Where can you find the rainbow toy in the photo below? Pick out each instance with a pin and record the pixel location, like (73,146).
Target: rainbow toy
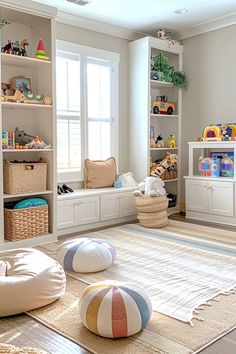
(220,131)
(113,309)
(40,53)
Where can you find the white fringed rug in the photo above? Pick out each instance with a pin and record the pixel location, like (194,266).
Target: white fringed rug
(198,254)
(180,272)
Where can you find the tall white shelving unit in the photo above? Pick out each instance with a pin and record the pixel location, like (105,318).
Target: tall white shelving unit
(31,21)
(142,91)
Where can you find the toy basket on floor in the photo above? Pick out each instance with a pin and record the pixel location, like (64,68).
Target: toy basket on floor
(155,220)
(26,222)
(153,204)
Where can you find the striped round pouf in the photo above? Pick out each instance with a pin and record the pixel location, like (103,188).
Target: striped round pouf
(85,255)
(113,309)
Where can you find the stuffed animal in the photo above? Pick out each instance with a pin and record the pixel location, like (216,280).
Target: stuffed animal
(159,143)
(22,138)
(154,186)
(171,141)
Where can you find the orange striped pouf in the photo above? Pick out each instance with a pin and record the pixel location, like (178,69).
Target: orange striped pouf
(113,309)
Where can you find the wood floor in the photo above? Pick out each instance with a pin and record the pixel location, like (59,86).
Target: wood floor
(21,330)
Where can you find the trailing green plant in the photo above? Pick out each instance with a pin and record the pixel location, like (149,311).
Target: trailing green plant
(162,67)
(179,79)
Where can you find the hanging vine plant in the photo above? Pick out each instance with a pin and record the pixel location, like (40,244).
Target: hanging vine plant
(179,79)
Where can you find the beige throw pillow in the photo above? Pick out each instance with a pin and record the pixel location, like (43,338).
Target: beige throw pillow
(99,174)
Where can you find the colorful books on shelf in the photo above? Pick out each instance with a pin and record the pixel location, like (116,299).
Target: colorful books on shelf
(8,140)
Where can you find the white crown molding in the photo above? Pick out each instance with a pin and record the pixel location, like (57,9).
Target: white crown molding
(97,26)
(32,7)
(209,26)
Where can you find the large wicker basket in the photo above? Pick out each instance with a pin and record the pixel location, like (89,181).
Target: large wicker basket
(24,177)
(24,223)
(157,219)
(147,204)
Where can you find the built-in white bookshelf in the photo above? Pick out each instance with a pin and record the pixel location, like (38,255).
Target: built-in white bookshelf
(31,21)
(142,91)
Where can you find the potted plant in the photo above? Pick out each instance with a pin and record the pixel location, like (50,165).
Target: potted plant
(179,79)
(160,68)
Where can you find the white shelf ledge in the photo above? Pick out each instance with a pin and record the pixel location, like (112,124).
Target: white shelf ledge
(27,150)
(9,196)
(225,179)
(164,115)
(170,180)
(165,148)
(212,144)
(156,84)
(27,62)
(25,105)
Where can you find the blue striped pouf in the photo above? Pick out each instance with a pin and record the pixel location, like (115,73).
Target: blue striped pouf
(113,309)
(86,255)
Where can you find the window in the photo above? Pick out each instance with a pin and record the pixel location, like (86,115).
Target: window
(87,82)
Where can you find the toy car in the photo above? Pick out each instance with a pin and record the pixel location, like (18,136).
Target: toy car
(163,107)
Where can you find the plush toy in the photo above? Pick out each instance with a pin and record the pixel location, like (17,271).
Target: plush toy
(159,143)
(152,186)
(22,138)
(171,141)
(127,180)
(38,143)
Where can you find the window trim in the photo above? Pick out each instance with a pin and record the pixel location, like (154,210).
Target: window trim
(113,59)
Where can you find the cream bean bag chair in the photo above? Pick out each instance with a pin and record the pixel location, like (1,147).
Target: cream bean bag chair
(28,279)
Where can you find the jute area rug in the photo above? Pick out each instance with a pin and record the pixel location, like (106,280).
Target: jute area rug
(12,349)
(163,335)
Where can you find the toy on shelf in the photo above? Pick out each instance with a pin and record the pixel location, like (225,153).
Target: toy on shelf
(26,141)
(219,132)
(7,48)
(226,162)
(209,167)
(28,98)
(16,48)
(159,143)
(18,97)
(170,160)
(160,107)
(37,99)
(8,140)
(152,143)
(40,53)
(227,167)
(38,143)
(171,141)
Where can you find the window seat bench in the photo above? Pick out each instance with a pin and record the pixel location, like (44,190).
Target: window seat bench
(87,209)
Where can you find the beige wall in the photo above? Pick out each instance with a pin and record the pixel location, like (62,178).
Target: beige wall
(209,61)
(106,42)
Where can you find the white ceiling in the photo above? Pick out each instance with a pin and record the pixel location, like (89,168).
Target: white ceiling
(147,16)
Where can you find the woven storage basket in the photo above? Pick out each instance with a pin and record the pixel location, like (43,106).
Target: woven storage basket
(24,223)
(24,177)
(147,204)
(157,219)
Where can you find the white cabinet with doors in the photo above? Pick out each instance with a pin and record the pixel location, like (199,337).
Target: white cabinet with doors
(88,209)
(212,199)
